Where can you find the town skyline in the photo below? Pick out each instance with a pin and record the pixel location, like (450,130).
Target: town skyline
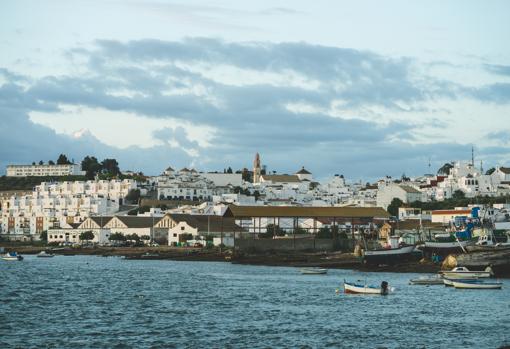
(208,86)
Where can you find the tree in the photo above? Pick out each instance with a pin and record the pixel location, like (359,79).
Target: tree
(117,237)
(490,171)
(256,194)
(91,166)
(33,163)
(44,236)
(62,160)
(51,162)
(133,195)
(274,230)
(87,235)
(445,169)
(394,205)
(458,194)
(110,167)
(229,170)
(41,162)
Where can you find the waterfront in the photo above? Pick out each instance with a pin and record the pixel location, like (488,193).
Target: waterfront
(98,302)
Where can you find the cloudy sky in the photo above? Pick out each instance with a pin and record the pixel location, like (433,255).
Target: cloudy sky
(362,88)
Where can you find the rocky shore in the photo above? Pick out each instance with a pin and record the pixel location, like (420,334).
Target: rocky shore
(331,260)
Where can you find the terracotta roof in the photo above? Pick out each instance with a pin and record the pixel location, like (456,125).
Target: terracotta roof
(303,171)
(459,212)
(306,212)
(281,178)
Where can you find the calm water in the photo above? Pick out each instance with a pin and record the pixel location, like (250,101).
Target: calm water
(97,302)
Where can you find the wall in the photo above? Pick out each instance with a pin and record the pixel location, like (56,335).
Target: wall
(300,244)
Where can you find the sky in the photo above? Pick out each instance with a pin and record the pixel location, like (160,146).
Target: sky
(360,88)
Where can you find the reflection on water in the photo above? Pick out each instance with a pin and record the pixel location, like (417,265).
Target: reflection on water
(96,302)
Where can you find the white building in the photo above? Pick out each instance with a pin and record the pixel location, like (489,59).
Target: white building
(44,170)
(406,193)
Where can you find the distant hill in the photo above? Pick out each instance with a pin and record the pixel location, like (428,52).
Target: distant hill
(28,183)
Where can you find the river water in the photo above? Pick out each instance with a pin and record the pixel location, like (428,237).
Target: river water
(98,302)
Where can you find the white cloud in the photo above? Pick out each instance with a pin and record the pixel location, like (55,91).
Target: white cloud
(116,128)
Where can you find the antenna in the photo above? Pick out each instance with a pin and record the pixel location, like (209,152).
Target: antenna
(429,164)
(481,167)
(473,156)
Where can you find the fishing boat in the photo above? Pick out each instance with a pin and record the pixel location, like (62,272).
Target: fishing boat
(463,272)
(44,254)
(313,271)
(427,280)
(477,284)
(12,256)
(394,253)
(353,288)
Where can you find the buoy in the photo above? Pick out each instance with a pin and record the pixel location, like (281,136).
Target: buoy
(337,291)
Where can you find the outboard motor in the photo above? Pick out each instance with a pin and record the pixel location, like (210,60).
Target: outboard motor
(384,288)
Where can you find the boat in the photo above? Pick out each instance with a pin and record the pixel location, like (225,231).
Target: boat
(448,282)
(455,240)
(477,284)
(44,254)
(394,253)
(427,280)
(353,288)
(12,256)
(313,271)
(463,272)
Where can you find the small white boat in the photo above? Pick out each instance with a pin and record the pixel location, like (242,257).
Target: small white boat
(12,256)
(313,271)
(477,284)
(463,272)
(350,287)
(427,280)
(44,254)
(448,282)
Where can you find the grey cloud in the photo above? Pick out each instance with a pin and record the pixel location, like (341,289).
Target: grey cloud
(247,118)
(498,69)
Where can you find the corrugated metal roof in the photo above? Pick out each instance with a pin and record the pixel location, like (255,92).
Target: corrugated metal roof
(306,212)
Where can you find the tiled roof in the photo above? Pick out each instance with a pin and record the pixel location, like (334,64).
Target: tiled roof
(281,178)
(303,171)
(305,212)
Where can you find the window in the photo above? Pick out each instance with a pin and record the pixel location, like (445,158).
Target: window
(175,235)
(182,228)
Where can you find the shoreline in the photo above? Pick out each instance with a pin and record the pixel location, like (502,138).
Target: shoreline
(331,260)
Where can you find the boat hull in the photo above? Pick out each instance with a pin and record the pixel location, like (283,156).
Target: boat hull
(477,285)
(388,256)
(427,281)
(351,288)
(312,271)
(11,259)
(444,248)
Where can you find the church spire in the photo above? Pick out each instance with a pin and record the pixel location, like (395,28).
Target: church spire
(256,169)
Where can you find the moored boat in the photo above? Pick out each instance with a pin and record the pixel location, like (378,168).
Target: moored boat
(353,288)
(394,253)
(477,284)
(427,280)
(44,254)
(463,272)
(12,256)
(313,271)
(448,282)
